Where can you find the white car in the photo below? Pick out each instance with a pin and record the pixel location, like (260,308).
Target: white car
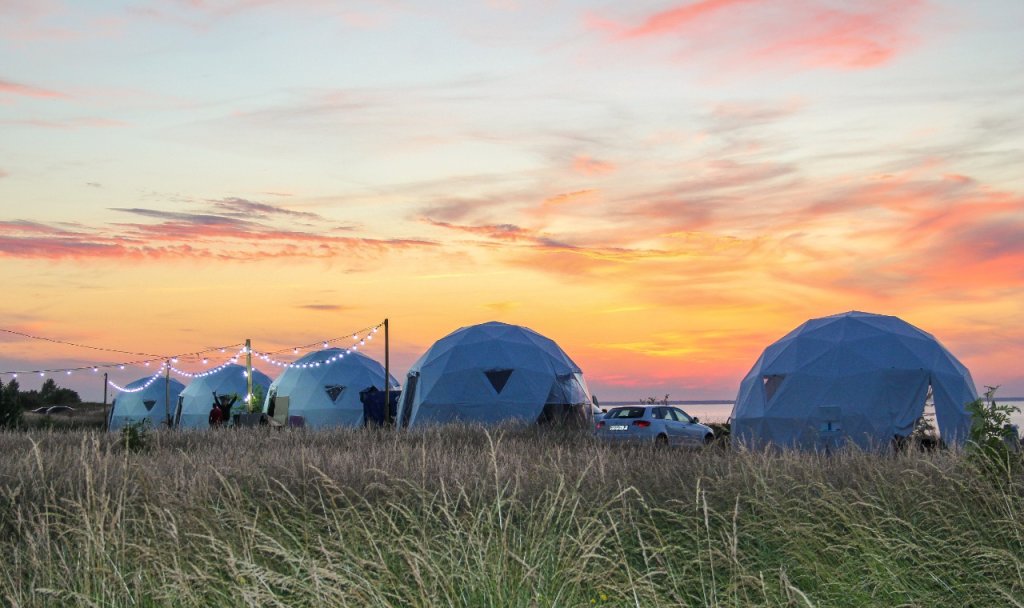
(657,424)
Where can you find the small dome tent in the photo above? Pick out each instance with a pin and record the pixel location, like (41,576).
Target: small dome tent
(194,402)
(151,403)
(493,372)
(327,388)
(854,377)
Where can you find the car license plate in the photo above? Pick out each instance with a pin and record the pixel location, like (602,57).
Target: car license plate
(618,427)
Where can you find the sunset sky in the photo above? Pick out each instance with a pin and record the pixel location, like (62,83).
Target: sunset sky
(664,188)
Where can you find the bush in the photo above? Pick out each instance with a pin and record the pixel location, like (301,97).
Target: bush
(135,436)
(994,442)
(10,410)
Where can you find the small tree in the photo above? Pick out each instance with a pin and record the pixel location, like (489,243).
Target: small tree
(992,436)
(10,413)
(654,401)
(48,391)
(255,404)
(11,392)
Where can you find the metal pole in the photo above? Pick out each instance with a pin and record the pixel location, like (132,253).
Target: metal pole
(387,375)
(106,416)
(167,394)
(248,376)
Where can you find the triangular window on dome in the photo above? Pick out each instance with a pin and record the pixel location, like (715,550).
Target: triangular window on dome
(498,378)
(771,385)
(334,391)
(149,403)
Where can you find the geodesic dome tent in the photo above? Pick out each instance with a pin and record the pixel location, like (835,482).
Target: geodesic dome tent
(194,402)
(854,377)
(151,403)
(327,388)
(490,373)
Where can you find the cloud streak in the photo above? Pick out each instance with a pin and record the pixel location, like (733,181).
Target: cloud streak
(185,235)
(757,34)
(8,87)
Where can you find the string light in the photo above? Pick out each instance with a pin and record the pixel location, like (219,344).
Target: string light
(138,389)
(165,362)
(209,372)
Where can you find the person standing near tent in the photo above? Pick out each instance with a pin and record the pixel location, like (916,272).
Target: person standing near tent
(226,403)
(216,415)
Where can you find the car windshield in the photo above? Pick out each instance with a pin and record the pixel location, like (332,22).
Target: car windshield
(626,412)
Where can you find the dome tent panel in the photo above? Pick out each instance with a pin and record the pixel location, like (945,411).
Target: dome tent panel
(489,373)
(150,404)
(194,403)
(871,381)
(327,388)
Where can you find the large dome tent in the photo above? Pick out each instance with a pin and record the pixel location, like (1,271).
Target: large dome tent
(327,388)
(853,377)
(490,373)
(140,402)
(194,402)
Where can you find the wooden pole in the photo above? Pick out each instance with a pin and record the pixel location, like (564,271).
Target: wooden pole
(387,375)
(106,416)
(167,394)
(248,375)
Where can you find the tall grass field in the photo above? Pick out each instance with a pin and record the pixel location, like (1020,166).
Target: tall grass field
(459,516)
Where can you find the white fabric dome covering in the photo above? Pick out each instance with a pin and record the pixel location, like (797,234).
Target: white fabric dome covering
(148,404)
(195,401)
(853,377)
(490,373)
(328,394)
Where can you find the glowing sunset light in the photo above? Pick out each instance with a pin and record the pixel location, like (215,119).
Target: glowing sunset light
(664,188)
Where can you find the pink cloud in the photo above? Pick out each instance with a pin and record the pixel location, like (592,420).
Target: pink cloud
(746,34)
(194,235)
(14,88)
(75,123)
(585,165)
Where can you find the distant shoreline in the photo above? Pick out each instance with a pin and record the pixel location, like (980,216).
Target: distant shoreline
(732,401)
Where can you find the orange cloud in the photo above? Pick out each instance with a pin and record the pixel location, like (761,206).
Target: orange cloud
(570,197)
(774,33)
(591,167)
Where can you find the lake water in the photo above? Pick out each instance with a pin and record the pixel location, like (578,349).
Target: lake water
(719,411)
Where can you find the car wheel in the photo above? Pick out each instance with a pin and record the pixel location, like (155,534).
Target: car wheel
(709,439)
(661,440)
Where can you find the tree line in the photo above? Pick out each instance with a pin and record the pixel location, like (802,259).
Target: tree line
(14,401)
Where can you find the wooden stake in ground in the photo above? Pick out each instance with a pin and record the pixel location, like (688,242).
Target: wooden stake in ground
(248,376)
(387,375)
(106,417)
(167,393)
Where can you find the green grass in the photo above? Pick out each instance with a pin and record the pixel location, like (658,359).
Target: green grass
(517,517)
(86,416)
